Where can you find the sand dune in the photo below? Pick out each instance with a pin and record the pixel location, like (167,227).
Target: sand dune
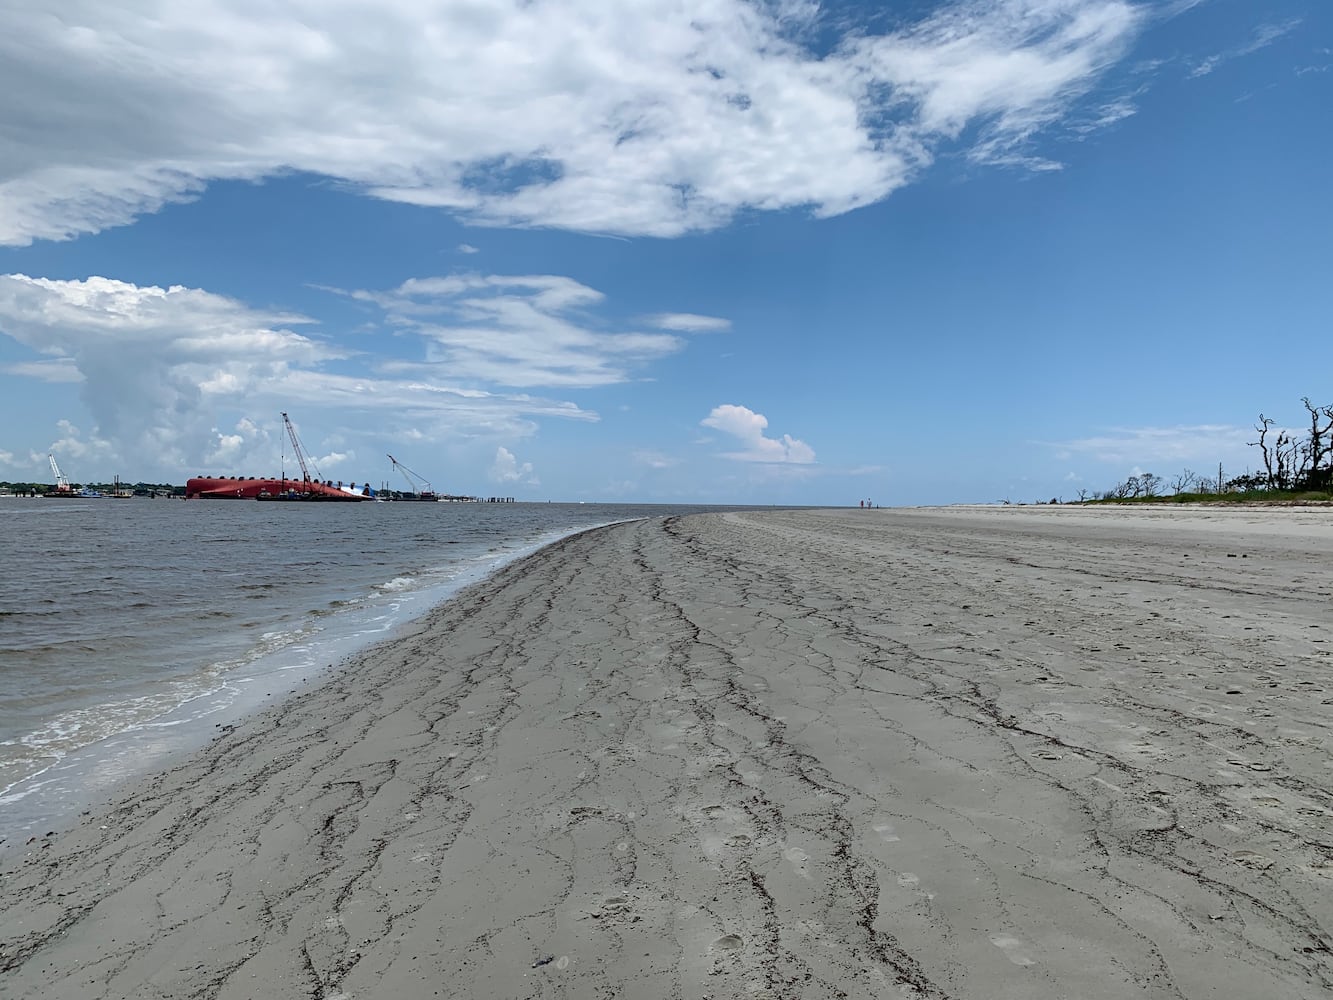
(971,753)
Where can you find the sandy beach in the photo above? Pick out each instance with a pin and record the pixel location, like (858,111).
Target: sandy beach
(991,753)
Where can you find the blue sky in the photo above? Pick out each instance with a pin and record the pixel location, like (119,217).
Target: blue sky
(700,251)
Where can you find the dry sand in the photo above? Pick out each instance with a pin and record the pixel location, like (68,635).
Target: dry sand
(982,753)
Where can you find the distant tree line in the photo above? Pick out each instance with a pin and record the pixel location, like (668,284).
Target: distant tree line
(139,489)
(1292,462)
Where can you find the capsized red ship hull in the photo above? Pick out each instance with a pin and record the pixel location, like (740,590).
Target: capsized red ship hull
(224,488)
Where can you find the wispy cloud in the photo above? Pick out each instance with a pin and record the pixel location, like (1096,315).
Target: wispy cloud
(660,117)
(748,428)
(1316,67)
(518,330)
(653,459)
(688,323)
(1189,443)
(1174,8)
(55,370)
(1264,36)
(1106,115)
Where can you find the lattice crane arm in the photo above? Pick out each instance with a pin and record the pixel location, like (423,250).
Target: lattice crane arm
(417,484)
(61,482)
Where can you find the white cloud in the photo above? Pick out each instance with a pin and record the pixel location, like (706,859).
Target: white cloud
(1190,443)
(148,357)
(1106,115)
(1174,8)
(55,370)
(1264,36)
(748,428)
(688,323)
(506,469)
(158,368)
(74,443)
(467,248)
(653,459)
(658,117)
(524,330)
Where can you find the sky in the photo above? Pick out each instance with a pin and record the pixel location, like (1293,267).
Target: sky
(682,251)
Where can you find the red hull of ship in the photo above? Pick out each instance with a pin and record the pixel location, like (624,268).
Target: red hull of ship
(222,488)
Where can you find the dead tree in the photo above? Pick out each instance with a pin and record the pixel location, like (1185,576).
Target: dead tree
(1318,446)
(1184,482)
(1263,426)
(1286,453)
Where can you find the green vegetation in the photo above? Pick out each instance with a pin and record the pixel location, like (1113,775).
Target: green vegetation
(138,489)
(1228,497)
(1296,469)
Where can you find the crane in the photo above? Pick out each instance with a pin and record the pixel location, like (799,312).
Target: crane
(300,452)
(62,484)
(415,483)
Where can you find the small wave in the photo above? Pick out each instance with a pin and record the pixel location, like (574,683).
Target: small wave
(398,583)
(278,637)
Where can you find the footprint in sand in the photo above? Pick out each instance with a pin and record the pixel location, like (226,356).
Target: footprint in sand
(1252,859)
(798,859)
(907,880)
(1322,866)
(712,812)
(727,942)
(886,832)
(1014,949)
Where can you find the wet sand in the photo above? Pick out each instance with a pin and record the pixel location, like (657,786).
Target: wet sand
(974,753)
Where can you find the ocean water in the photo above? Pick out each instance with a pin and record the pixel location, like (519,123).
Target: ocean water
(131,629)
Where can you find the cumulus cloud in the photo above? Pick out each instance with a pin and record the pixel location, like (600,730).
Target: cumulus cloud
(165,371)
(74,443)
(507,469)
(521,331)
(659,117)
(146,356)
(748,428)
